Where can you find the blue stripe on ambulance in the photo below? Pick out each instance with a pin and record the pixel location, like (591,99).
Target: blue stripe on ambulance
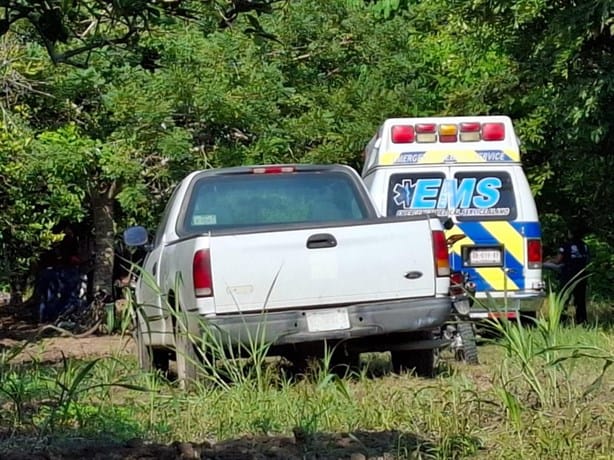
(528,229)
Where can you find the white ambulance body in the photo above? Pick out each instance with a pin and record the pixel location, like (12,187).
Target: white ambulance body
(469,169)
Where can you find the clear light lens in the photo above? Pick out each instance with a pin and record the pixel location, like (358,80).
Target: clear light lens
(462,306)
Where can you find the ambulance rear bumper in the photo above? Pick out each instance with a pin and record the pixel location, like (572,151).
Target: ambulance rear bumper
(498,305)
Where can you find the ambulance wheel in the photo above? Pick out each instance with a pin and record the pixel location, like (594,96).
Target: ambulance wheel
(528,319)
(468,352)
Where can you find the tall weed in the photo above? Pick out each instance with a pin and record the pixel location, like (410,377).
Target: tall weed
(215,357)
(540,361)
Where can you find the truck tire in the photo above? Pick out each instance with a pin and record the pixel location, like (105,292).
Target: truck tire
(150,359)
(422,362)
(186,356)
(344,365)
(469,350)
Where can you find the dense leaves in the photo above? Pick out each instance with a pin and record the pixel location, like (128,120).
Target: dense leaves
(308,83)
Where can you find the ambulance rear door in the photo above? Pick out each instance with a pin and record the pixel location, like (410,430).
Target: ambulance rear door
(487,205)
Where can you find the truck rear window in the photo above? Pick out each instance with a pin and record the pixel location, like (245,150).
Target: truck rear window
(469,195)
(246,200)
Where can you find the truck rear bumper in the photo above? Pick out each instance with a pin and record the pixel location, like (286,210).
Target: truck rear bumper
(331,323)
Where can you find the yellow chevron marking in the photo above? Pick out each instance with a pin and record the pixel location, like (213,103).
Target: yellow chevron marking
(496,278)
(492,275)
(508,236)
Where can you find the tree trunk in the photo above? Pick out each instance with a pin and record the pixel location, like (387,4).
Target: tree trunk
(17,284)
(104,244)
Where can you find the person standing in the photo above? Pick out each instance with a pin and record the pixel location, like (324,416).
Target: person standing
(574,257)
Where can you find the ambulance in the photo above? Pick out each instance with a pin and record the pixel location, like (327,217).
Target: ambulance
(467,169)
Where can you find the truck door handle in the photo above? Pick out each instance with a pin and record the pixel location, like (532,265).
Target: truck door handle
(321,240)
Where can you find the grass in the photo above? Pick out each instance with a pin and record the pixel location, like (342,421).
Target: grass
(540,392)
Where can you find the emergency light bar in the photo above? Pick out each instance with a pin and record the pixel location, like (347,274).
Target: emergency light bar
(447,132)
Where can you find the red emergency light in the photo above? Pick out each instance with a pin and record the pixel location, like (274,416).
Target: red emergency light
(467,131)
(493,131)
(402,134)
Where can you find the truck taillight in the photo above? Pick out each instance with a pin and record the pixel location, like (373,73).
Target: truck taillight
(456,283)
(440,252)
(534,252)
(201,272)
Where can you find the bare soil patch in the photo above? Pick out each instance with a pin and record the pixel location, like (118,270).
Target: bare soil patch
(19,329)
(323,446)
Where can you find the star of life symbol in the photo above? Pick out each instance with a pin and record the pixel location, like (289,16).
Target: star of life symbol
(403,193)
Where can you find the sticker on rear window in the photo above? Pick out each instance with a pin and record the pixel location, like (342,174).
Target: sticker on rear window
(204,219)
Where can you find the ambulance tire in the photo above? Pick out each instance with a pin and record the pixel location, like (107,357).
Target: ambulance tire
(468,353)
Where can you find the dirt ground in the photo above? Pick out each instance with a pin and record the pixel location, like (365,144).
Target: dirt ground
(18,328)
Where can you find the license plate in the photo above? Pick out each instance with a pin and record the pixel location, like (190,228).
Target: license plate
(485,257)
(328,320)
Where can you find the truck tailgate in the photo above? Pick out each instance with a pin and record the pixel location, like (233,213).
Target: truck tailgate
(277,270)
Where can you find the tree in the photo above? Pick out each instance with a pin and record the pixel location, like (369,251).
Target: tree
(71,30)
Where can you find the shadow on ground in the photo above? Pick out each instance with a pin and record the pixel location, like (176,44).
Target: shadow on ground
(355,446)
(17,323)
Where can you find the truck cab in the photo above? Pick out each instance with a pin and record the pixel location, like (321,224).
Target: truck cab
(468,169)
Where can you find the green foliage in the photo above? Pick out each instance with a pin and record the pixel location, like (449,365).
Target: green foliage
(71,31)
(601,276)
(187,96)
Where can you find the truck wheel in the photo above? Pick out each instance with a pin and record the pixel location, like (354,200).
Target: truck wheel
(150,359)
(343,364)
(469,349)
(422,362)
(186,356)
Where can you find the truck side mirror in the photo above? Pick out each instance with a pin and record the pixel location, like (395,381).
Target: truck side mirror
(136,236)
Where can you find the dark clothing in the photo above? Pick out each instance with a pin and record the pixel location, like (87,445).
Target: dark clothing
(59,290)
(69,251)
(576,257)
(59,283)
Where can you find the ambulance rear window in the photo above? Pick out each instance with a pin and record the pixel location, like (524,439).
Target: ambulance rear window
(485,195)
(471,195)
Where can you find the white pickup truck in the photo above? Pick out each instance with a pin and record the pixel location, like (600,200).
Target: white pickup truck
(295,255)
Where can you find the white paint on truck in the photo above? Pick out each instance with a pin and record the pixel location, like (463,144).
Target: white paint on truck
(299,250)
